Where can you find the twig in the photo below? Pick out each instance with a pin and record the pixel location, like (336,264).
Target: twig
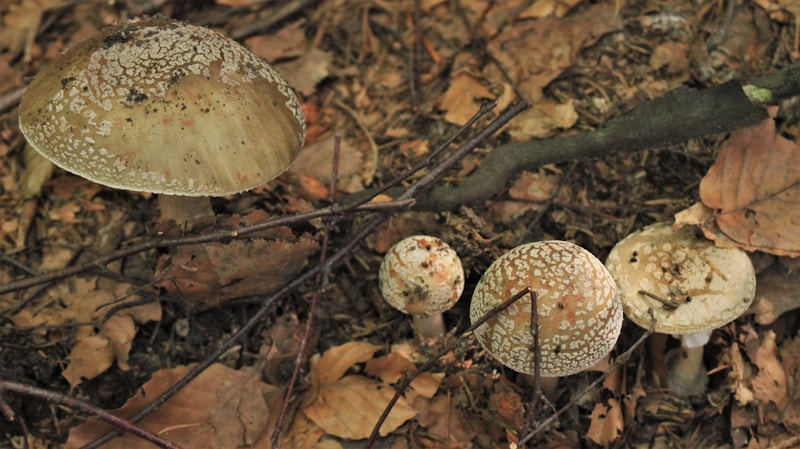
(58,398)
(619,362)
(321,284)
(337,257)
(400,389)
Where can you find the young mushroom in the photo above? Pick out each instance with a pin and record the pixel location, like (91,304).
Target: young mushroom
(578,306)
(161,106)
(422,276)
(691,286)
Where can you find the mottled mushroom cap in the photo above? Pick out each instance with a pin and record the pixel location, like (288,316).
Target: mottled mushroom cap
(579,310)
(700,287)
(421,275)
(162,106)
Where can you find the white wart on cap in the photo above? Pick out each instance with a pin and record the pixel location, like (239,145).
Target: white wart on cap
(699,287)
(580,315)
(422,276)
(166,107)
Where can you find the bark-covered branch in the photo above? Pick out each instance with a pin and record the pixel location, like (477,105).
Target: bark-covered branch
(674,118)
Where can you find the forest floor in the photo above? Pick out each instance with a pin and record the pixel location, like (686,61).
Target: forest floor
(387,83)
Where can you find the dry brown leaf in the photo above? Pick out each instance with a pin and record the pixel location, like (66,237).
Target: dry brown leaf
(530,191)
(777,292)
(220,409)
(350,407)
(549,8)
(790,355)
(393,367)
(306,71)
(607,422)
(98,343)
(288,42)
(207,274)
(462,99)
(769,385)
(543,119)
(537,51)
(316,162)
(754,189)
(447,423)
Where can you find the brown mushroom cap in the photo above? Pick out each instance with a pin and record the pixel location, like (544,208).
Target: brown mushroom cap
(421,275)
(705,287)
(580,315)
(162,106)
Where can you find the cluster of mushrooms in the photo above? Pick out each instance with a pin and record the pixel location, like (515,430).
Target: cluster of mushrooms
(669,279)
(162,106)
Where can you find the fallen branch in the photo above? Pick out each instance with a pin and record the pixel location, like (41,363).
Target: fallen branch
(674,118)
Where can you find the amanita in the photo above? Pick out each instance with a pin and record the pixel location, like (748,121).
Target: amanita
(691,286)
(161,106)
(579,311)
(422,276)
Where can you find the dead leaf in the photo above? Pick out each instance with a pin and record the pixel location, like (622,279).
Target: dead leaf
(316,161)
(447,423)
(98,343)
(348,406)
(529,192)
(221,409)
(607,422)
(769,385)
(777,292)
(207,274)
(754,189)
(462,99)
(306,71)
(543,119)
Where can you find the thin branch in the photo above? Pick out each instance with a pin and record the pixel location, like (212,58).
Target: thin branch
(58,398)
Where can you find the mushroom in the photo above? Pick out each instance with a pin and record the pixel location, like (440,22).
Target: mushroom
(691,286)
(578,306)
(161,106)
(422,276)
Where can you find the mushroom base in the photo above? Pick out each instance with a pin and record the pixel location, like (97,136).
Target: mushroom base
(184,209)
(686,373)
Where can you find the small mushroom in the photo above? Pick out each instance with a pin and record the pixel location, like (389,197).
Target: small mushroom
(579,311)
(161,106)
(422,276)
(691,286)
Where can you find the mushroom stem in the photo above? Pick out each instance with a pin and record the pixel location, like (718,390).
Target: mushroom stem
(428,326)
(686,373)
(184,209)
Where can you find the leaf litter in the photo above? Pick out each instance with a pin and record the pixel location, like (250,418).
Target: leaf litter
(459,406)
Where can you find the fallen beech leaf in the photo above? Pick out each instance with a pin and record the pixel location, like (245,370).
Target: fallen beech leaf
(606,423)
(350,407)
(99,343)
(790,355)
(221,409)
(462,99)
(329,368)
(754,189)
(769,385)
(777,292)
(448,423)
(207,274)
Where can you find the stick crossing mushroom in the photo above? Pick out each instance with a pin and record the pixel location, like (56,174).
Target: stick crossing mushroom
(579,310)
(691,286)
(161,106)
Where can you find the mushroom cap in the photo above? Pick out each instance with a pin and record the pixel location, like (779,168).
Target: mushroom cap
(706,287)
(421,275)
(579,310)
(162,106)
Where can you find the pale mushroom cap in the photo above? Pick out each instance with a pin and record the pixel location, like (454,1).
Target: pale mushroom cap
(579,310)
(709,286)
(162,106)
(421,275)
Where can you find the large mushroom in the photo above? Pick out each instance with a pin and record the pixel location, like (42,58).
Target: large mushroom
(691,286)
(579,310)
(161,106)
